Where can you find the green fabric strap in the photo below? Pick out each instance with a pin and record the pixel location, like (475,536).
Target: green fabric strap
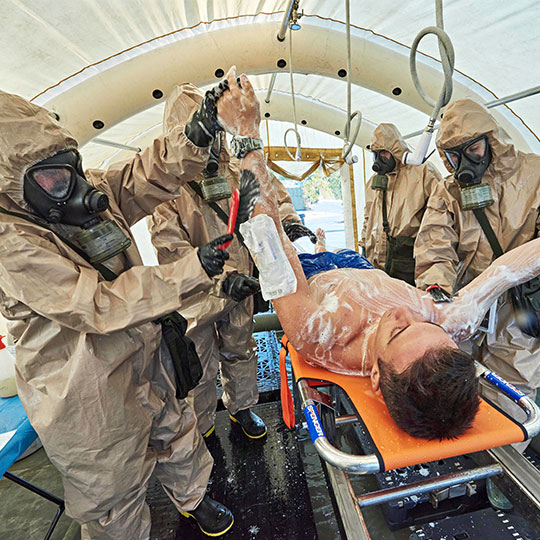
(108,274)
(222,215)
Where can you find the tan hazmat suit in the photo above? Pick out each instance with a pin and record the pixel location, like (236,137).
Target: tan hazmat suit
(220,327)
(451,247)
(91,371)
(406,197)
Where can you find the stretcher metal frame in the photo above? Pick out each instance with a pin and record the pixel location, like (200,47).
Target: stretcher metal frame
(355,464)
(369,464)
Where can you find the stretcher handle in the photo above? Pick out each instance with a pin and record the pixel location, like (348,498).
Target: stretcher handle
(233,214)
(314,423)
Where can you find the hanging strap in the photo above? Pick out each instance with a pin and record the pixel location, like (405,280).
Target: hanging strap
(389,240)
(385,226)
(287,404)
(480,214)
(216,208)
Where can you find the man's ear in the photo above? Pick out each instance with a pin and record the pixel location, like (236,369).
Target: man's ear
(375,378)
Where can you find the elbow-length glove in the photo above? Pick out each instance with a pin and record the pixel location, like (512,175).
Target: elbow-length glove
(203,125)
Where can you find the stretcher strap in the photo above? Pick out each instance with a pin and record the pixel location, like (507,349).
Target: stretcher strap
(287,405)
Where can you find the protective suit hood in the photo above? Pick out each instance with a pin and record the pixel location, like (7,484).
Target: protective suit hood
(181,103)
(28,134)
(465,120)
(387,137)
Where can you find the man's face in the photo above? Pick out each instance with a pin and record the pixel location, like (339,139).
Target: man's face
(402,337)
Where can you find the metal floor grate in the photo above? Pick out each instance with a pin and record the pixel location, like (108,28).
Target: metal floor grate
(532,456)
(268,362)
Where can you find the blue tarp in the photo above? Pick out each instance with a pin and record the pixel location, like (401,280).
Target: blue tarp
(13,418)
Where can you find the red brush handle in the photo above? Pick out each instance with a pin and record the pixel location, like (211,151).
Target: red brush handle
(232,217)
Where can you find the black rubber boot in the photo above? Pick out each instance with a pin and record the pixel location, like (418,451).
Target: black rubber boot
(213,518)
(211,432)
(252,426)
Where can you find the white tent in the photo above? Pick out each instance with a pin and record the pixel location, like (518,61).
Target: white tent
(98,61)
(105,66)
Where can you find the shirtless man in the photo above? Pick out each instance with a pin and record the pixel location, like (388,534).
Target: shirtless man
(364,322)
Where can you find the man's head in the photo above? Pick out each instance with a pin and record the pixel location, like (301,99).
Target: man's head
(56,188)
(383,162)
(468,129)
(28,135)
(388,148)
(428,384)
(387,137)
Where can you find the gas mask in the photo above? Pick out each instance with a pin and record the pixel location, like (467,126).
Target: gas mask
(58,191)
(383,164)
(470,161)
(214,187)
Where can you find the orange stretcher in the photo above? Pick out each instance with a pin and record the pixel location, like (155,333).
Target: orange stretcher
(394,447)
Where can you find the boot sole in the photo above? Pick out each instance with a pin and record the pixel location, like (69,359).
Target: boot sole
(188,515)
(233,419)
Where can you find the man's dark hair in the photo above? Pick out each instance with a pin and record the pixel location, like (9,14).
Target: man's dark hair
(436,397)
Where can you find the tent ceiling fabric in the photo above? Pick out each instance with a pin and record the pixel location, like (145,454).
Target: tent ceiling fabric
(44,43)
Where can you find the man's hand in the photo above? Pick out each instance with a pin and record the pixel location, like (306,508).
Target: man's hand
(238,108)
(212,259)
(239,286)
(294,231)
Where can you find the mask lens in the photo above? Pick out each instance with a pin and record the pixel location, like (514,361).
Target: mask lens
(476,151)
(56,181)
(453,159)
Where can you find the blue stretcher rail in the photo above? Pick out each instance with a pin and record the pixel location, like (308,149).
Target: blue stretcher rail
(314,423)
(509,389)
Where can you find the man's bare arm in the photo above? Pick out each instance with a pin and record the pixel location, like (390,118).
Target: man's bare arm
(294,310)
(301,317)
(463,316)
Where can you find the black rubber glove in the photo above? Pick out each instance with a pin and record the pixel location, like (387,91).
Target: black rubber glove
(239,286)
(249,196)
(294,231)
(203,125)
(439,295)
(212,259)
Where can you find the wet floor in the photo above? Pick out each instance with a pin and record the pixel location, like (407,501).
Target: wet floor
(276,490)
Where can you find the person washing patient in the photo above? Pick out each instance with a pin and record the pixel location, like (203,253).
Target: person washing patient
(100,369)
(220,325)
(395,204)
(489,203)
(361,321)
